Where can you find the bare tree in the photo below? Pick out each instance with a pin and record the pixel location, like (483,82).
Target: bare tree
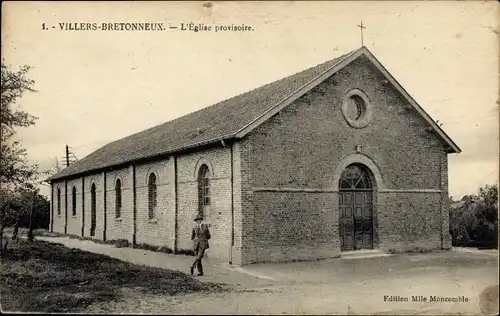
(56,168)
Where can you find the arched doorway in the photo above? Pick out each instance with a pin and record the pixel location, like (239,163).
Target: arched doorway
(356,208)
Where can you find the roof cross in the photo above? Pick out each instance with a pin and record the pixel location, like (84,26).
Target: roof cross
(361,27)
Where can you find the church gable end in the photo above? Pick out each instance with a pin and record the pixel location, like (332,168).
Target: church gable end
(307,137)
(297,153)
(362,54)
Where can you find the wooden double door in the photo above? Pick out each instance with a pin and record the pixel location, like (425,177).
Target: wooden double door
(356,219)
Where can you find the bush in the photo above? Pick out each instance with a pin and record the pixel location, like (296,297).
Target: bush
(475,222)
(165,249)
(109,242)
(122,243)
(188,252)
(22,206)
(146,247)
(45,232)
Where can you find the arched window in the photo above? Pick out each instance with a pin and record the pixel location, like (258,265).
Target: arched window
(355,177)
(93,206)
(73,200)
(118,198)
(58,201)
(152,201)
(203,191)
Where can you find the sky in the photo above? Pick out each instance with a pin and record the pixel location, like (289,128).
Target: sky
(98,86)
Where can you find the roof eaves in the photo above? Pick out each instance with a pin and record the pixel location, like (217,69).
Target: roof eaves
(131,161)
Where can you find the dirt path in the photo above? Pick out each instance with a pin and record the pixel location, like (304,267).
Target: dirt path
(302,299)
(333,286)
(343,296)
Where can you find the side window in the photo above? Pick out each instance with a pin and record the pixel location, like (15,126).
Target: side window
(152,196)
(204,191)
(118,198)
(58,201)
(73,201)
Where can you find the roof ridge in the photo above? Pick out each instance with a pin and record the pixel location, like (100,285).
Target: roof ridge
(174,134)
(267,84)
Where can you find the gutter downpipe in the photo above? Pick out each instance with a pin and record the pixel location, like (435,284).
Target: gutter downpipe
(232,201)
(105,208)
(51,207)
(65,207)
(134,196)
(83,206)
(176,207)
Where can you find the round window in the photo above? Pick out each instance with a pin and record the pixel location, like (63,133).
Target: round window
(356,108)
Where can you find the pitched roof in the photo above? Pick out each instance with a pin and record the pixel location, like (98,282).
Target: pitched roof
(231,118)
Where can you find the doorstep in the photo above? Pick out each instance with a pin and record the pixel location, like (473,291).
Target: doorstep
(363,254)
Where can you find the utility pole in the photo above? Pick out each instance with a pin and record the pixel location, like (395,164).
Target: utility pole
(67,156)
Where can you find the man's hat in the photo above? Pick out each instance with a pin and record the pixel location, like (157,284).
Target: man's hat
(198,217)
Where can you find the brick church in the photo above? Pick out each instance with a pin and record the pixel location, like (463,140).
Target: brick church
(336,158)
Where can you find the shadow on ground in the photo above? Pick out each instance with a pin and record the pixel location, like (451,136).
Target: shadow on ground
(46,277)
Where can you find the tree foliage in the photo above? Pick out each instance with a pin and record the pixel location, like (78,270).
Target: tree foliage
(474,223)
(17,175)
(27,208)
(14,167)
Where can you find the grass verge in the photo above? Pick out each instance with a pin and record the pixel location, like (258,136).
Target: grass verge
(118,243)
(45,277)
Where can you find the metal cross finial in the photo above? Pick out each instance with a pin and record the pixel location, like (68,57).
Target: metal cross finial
(361,26)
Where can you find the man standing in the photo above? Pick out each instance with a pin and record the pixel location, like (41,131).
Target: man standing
(200,237)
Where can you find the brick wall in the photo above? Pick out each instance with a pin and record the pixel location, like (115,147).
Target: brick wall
(121,227)
(160,231)
(445,204)
(296,226)
(245,232)
(58,216)
(237,242)
(219,217)
(74,221)
(297,157)
(98,181)
(311,135)
(409,221)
